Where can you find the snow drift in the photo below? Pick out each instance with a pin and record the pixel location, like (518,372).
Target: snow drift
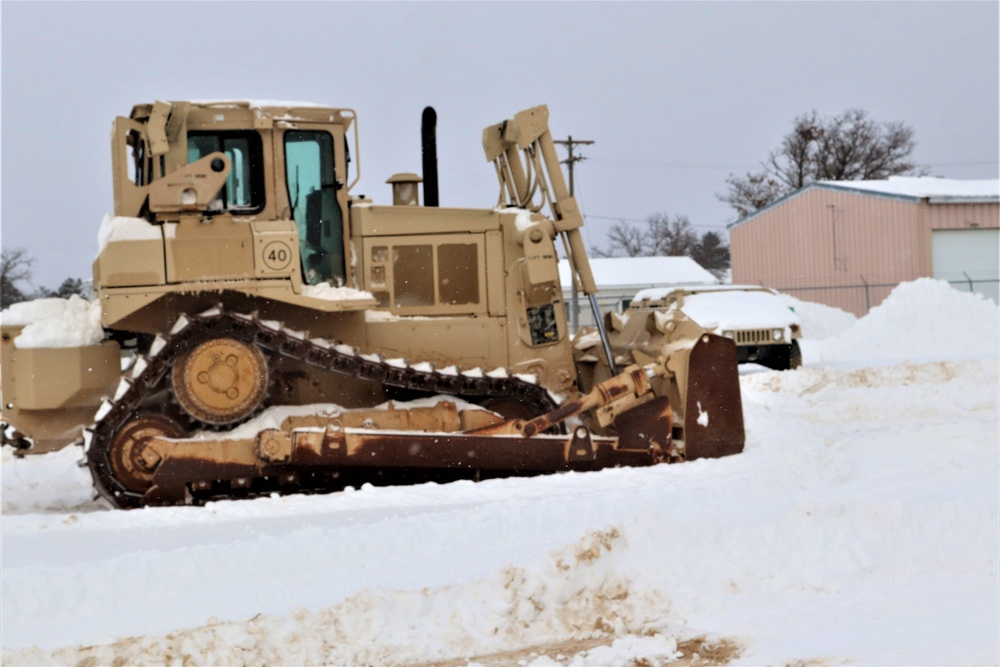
(860,525)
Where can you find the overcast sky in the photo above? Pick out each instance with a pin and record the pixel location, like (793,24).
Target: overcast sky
(675,95)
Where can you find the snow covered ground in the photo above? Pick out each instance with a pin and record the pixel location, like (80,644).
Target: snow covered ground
(860,526)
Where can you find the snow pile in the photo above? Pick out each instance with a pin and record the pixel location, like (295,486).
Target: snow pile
(859,526)
(819,321)
(328,292)
(921,320)
(72,322)
(126,229)
(574,594)
(46,483)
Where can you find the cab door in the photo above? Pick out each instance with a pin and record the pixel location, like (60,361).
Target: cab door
(314,177)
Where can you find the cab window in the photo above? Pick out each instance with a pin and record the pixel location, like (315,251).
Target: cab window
(244,188)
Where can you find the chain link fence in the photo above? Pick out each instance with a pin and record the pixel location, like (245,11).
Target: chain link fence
(861,297)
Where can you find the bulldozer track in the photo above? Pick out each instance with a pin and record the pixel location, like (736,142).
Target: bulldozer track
(151,372)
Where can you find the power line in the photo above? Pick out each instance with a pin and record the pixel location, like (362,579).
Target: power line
(621,219)
(670,165)
(962,164)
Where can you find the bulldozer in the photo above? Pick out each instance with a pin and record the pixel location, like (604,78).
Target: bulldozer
(265,329)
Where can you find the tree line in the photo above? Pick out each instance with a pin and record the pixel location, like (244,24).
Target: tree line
(663,235)
(850,146)
(16,270)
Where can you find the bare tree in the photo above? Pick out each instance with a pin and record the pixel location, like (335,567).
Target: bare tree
(625,241)
(848,147)
(666,236)
(15,267)
(663,236)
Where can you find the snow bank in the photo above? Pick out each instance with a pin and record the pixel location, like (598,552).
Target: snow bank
(46,483)
(819,321)
(575,593)
(922,319)
(71,322)
(859,526)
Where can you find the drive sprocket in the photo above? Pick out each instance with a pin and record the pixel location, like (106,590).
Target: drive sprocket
(221,381)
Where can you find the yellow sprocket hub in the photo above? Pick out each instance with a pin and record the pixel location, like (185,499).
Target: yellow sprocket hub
(221,381)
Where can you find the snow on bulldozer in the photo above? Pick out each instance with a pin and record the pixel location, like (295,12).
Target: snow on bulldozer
(282,334)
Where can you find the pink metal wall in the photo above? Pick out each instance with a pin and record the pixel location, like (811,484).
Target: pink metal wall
(824,237)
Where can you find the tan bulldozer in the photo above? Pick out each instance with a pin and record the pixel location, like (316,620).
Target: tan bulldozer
(281,334)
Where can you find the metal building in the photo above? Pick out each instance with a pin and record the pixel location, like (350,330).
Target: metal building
(848,243)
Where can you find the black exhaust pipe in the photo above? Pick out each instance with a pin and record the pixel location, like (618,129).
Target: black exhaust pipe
(428,146)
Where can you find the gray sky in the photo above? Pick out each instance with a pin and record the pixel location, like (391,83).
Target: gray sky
(676,95)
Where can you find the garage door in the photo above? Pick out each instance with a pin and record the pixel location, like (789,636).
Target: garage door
(968,258)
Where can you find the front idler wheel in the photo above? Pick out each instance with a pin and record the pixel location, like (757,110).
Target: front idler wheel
(133,460)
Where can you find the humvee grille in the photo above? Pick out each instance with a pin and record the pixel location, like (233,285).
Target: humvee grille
(752,336)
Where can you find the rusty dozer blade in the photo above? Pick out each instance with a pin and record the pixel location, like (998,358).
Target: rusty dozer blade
(713,411)
(459,444)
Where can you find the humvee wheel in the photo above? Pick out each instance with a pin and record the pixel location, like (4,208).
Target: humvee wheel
(221,381)
(132,462)
(794,356)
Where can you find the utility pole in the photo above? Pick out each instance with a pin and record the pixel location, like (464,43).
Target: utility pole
(569,143)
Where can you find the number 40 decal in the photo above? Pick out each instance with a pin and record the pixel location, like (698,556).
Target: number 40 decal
(277,255)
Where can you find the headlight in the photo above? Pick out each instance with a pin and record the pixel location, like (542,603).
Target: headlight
(778,334)
(728,334)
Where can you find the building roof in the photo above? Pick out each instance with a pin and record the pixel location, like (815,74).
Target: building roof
(921,187)
(638,272)
(913,188)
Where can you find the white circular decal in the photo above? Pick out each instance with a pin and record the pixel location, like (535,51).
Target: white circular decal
(277,255)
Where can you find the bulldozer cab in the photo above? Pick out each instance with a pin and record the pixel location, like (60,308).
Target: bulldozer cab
(304,147)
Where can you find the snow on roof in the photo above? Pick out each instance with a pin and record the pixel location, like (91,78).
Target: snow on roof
(935,190)
(924,186)
(257,104)
(615,272)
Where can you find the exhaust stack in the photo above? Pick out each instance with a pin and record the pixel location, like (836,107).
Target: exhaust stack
(428,145)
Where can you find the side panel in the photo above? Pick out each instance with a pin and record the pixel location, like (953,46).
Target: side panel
(275,249)
(213,250)
(129,262)
(427,274)
(469,342)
